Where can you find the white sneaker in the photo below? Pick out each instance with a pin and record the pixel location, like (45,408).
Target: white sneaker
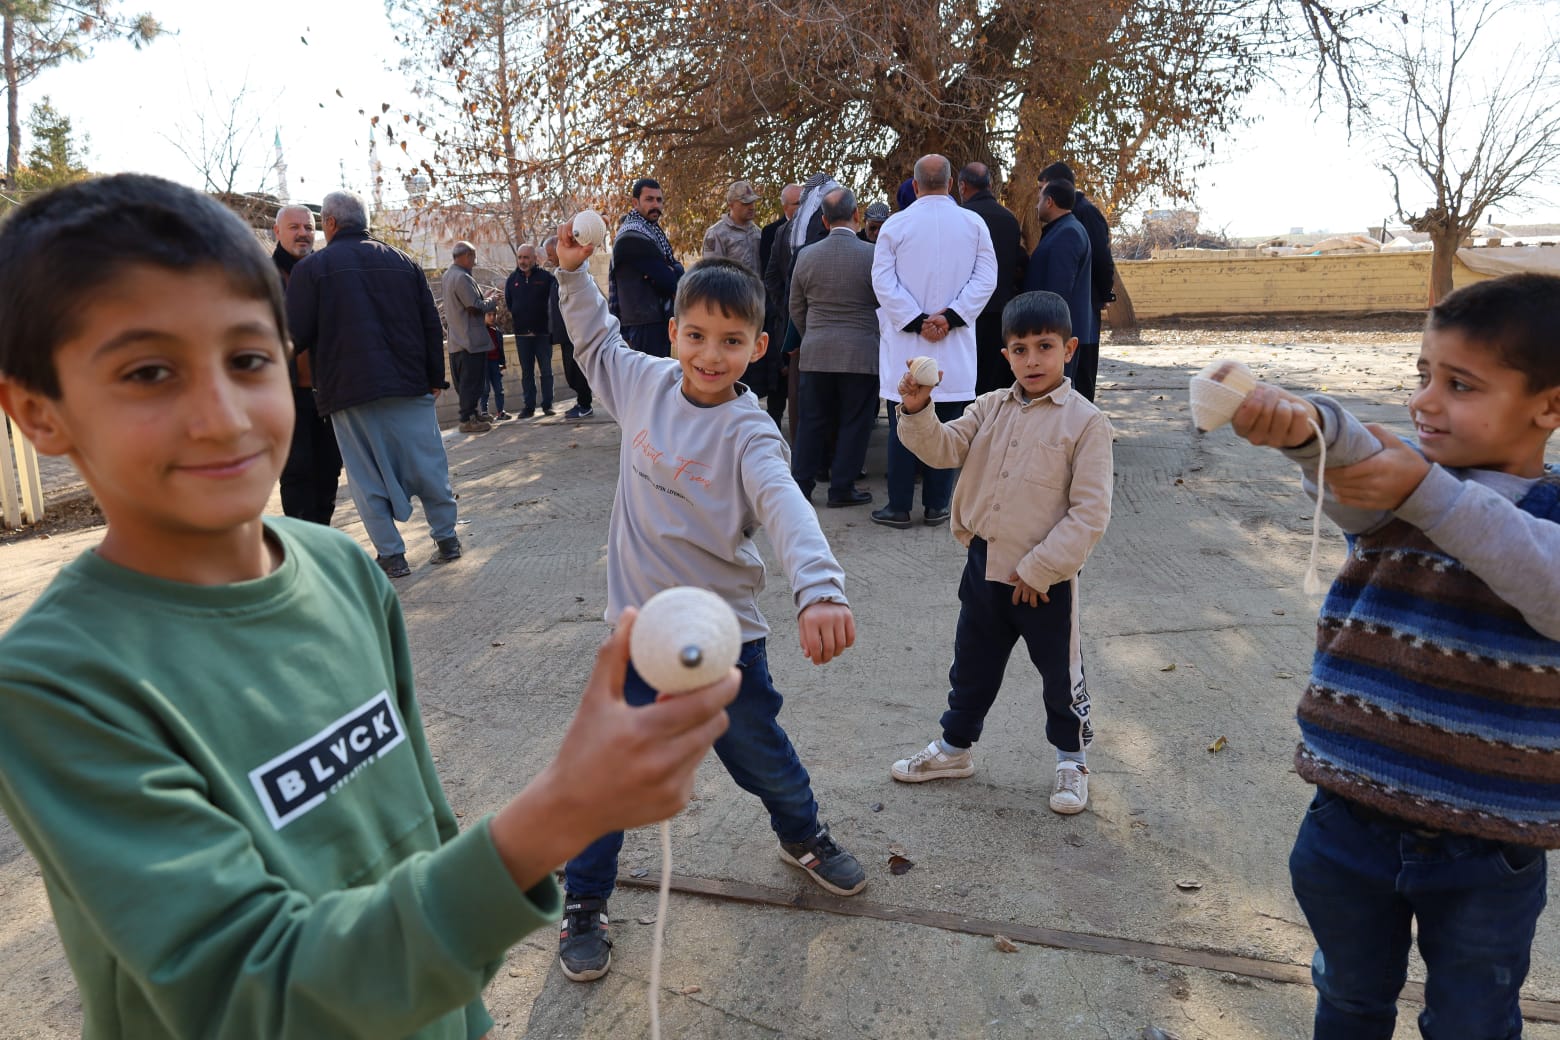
(932,763)
(1070,794)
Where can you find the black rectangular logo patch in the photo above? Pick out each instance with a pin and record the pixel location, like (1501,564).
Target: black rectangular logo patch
(304,775)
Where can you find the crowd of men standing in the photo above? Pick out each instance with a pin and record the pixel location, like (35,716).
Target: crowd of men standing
(852,294)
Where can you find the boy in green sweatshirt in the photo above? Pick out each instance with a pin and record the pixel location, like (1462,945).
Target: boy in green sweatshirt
(212,745)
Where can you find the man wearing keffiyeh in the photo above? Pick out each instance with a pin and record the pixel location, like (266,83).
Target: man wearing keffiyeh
(644,272)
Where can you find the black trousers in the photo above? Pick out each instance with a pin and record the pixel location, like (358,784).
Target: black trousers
(575,376)
(313,469)
(652,339)
(992,371)
(841,405)
(1083,368)
(990,625)
(470,379)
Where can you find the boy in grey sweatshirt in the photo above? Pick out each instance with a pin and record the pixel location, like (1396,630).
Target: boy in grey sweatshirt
(703,467)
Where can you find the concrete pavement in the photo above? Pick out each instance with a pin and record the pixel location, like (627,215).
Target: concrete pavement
(1195,628)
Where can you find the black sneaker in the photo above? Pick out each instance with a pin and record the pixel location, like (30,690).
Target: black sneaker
(583,947)
(526,413)
(826,863)
(547,409)
(936,517)
(394,566)
(449,550)
(579,413)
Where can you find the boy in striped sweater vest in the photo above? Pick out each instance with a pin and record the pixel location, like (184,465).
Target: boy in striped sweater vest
(1431,723)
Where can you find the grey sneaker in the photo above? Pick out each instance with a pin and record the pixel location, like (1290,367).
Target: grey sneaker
(1070,793)
(584,950)
(394,566)
(933,763)
(449,550)
(826,863)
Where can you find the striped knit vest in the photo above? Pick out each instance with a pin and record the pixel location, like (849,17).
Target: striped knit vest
(1431,698)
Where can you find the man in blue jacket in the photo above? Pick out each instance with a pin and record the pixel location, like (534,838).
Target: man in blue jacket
(1102,276)
(364,314)
(1061,263)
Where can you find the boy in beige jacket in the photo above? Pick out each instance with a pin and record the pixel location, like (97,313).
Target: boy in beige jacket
(1032,501)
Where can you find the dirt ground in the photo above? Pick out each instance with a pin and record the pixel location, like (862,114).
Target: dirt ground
(1195,629)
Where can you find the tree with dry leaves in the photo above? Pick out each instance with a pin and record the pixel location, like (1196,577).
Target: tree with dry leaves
(1469,124)
(39,34)
(492,109)
(1129,91)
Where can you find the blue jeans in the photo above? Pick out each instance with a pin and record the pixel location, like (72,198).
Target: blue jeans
(1361,882)
(755,751)
(495,382)
(535,353)
(936,484)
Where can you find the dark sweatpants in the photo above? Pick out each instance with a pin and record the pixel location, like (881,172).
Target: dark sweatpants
(989,626)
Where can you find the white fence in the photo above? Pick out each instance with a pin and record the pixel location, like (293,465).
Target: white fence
(21,488)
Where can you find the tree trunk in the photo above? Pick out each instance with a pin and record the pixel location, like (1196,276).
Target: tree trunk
(507,99)
(1119,313)
(13,151)
(1442,261)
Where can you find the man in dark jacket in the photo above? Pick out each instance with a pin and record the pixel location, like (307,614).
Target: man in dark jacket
(767,377)
(313,470)
(1102,277)
(644,273)
(363,314)
(526,294)
(559,333)
(1062,264)
(992,371)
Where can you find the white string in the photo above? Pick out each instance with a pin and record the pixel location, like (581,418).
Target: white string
(1313,581)
(660,929)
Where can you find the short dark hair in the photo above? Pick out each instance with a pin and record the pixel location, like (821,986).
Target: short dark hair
(59,247)
(642,183)
(842,210)
(732,288)
(1516,317)
(1062,193)
(976,175)
(1036,313)
(1057,171)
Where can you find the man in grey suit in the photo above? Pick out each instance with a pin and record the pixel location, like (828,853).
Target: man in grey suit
(835,310)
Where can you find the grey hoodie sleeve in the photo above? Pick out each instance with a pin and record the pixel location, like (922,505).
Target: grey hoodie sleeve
(792,524)
(1470,514)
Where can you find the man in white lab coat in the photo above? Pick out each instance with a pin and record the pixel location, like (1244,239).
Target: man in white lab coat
(933,272)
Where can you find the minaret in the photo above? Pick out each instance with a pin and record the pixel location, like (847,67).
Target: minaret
(281,170)
(375,172)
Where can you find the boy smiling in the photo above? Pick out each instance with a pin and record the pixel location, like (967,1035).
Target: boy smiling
(702,467)
(1431,722)
(212,745)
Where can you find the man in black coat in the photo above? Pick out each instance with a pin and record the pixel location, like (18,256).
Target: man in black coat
(313,470)
(767,376)
(1102,276)
(645,272)
(991,368)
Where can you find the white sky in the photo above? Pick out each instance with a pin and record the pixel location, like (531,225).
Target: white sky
(1290,169)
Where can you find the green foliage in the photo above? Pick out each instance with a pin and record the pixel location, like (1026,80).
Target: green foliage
(56,157)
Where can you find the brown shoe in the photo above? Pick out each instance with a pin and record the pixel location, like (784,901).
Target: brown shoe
(475,426)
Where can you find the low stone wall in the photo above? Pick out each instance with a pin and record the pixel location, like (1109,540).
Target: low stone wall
(1360,283)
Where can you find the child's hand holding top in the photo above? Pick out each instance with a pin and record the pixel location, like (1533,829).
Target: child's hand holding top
(912,395)
(571,254)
